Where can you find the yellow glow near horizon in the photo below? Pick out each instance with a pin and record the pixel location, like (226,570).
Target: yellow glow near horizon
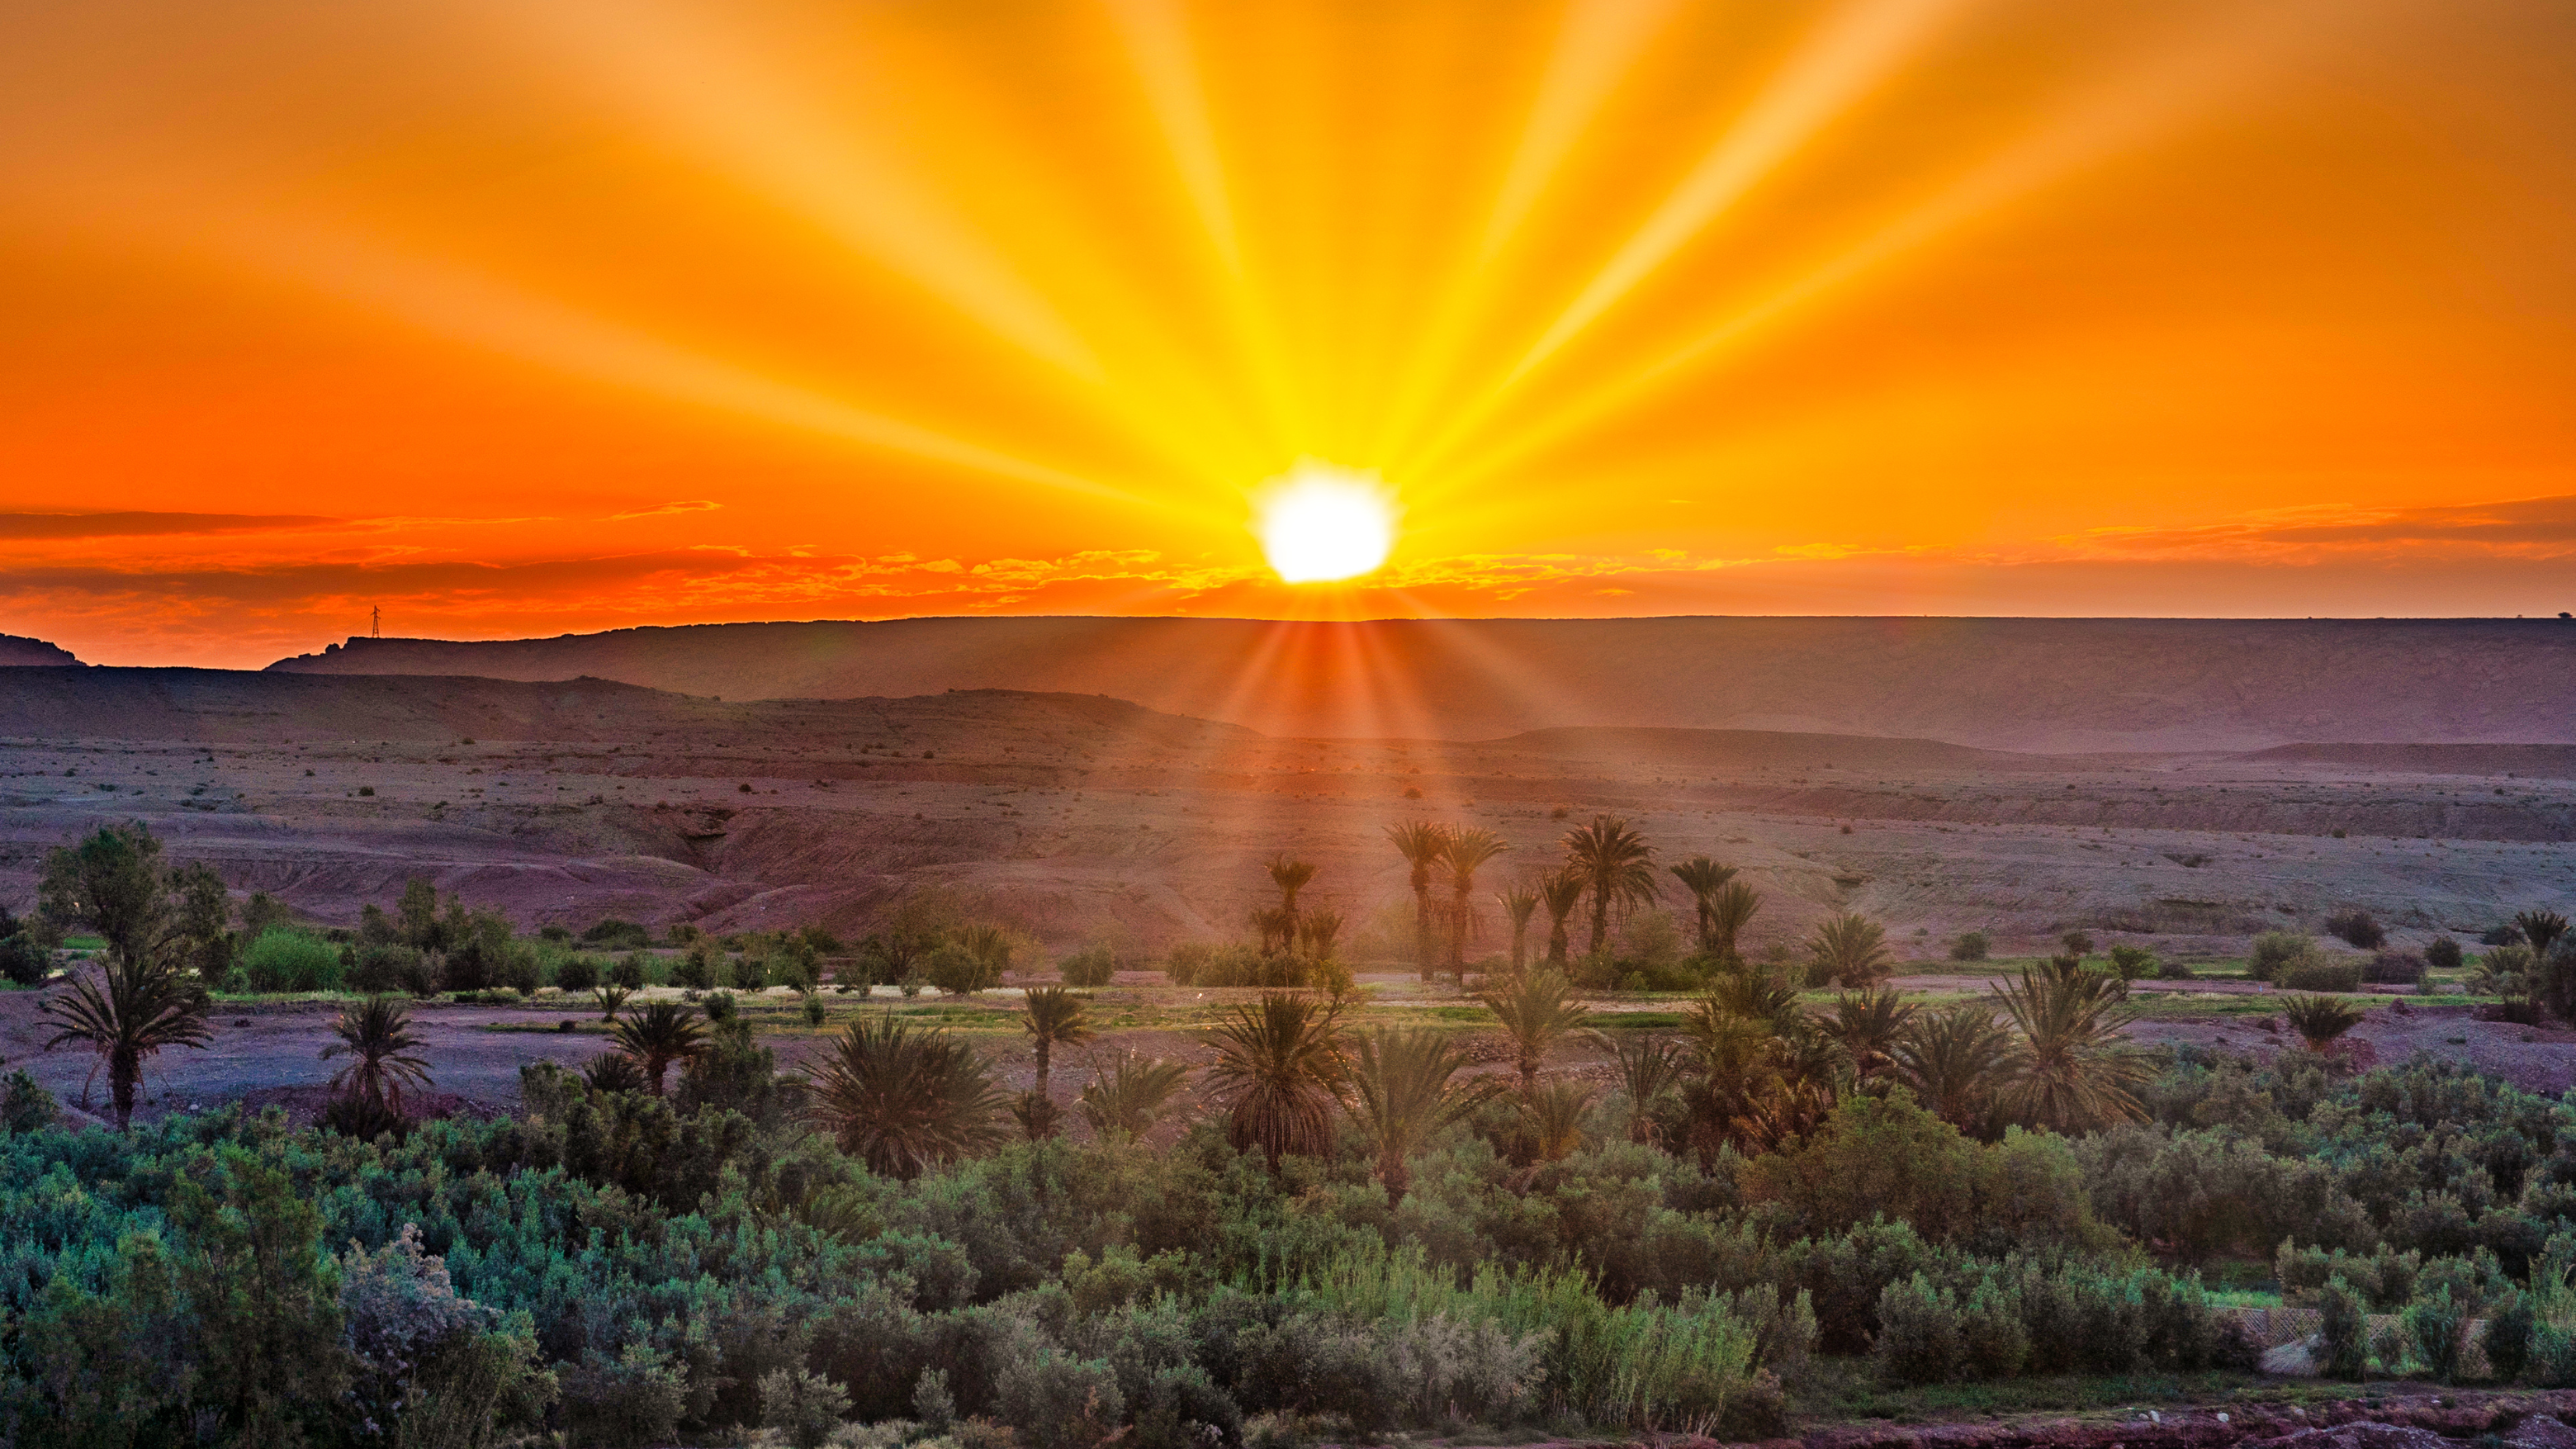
(1320,524)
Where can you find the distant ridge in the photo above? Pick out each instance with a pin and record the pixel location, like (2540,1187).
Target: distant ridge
(2014,684)
(18,652)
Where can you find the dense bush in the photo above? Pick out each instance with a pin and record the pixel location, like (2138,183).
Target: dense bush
(2443,954)
(286,959)
(960,972)
(2273,950)
(612,934)
(1093,965)
(2358,929)
(1970,946)
(2316,973)
(577,973)
(2391,967)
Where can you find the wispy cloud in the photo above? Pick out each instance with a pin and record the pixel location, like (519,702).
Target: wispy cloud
(136,525)
(2529,527)
(685,505)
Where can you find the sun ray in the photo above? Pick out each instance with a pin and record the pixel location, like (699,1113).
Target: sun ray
(1597,42)
(1156,37)
(711,95)
(1819,83)
(2102,120)
(460,305)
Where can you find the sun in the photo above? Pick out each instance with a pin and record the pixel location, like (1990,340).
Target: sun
(1319,523)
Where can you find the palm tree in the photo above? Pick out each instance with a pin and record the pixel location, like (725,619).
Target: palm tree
(1753,996)
(2542,929)
(1954,1061)
(1054,1019)
(1420,843)
(1519,904)
(613,1072)
(1648,1068)
(1278,1065)
(1735,1069)
(901,1101)
(1535,1009)
(1465,852)
(376,1033)
(1729,911)
(2070,1072)
(1703,877)
(1131,1094)
(2319,1020)
(662,1033)
(1560,893)
(128,1011)
(1867,1025)
(1317,931)
(610,997)
(1277,928)
(1617,868)
(1552,1118)
(1291,876)
(1850,949)
(1402,1092)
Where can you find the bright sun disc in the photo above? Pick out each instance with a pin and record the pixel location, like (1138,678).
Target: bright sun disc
(1320,523)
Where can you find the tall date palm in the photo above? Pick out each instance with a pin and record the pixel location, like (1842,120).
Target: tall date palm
(1703,878)
(1464,853)
(1420,842)
(1617,868)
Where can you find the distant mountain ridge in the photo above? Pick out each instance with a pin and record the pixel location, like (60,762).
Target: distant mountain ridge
(19,652)
(2012,684)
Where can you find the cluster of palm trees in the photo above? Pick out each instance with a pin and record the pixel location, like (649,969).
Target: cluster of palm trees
(1755,1069)
(1288,927)
(1607,864)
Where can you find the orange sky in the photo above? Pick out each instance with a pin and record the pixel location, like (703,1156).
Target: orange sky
(528,318)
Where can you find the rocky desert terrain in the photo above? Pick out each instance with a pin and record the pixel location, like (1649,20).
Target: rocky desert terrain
(1084,818)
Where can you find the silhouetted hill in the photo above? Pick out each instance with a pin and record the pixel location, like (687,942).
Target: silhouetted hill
(2029,684)
(16,651)
(245,706)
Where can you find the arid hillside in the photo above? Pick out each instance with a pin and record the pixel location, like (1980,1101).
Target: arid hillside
(2022,684)
(1083,817)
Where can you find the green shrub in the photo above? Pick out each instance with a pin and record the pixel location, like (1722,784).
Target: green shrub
(2174,971)
(2390,967)
(697,970)
(1918,1335)
(383,967)
(2442,954)
(1185,960)
(1093,965)
(617,935)
(2345,1330)
(2319,974)
(23,960)
(2357,928)
(286,959)
(801,1406)
(2133,962)
(2274,949)
(1970,946)
(25,1106)
(577,973)
(960,972)
(632,970)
